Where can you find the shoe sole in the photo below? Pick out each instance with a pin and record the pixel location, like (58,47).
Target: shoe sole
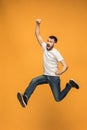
(76,84)
(21,100)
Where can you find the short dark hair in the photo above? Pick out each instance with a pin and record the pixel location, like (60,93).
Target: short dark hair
(53,37)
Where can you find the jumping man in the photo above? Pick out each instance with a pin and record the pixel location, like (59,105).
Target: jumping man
(51,74)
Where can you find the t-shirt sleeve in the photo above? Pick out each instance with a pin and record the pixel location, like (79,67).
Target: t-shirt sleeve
(59,56)
(43,45)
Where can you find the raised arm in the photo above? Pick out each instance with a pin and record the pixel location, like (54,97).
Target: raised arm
(37,31)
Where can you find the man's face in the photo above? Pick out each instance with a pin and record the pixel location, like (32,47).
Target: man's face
(50,44)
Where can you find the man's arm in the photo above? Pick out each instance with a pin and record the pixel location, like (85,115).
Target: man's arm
(65,67)
(37,31)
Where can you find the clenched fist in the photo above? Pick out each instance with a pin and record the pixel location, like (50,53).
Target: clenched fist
(38,21)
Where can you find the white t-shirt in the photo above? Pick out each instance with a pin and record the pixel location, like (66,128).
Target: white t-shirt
(50,60)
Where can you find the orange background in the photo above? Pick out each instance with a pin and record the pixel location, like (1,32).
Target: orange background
(21,60)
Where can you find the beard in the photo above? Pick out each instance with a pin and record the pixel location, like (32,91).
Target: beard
(48,47)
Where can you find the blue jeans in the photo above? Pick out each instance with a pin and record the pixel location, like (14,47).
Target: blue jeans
(54,83)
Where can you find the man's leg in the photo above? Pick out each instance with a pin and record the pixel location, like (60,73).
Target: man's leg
(33,84)
(30,89)
(54,83)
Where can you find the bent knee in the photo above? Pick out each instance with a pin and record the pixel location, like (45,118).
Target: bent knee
(33,80)
(58,99)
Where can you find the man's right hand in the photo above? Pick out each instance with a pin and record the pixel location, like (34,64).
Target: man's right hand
(38,21)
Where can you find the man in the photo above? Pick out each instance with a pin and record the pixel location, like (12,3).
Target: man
(51,75)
